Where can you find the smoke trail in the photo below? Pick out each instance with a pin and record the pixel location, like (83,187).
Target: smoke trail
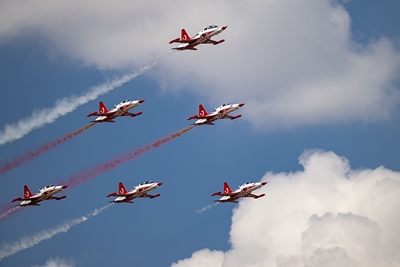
(8,210)
(39,118)
(9,249)
(23,159)
(85,176)
(206,208)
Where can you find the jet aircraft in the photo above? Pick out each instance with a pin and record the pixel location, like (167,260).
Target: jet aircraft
(202,37)
(221,112)
(138,191)
(243,191)
(46,193)
(105,115)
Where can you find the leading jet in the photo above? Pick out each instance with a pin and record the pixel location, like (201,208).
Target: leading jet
(221,112)
(202,37)
(122,109)
(46,193)
(139,191)
(243,191)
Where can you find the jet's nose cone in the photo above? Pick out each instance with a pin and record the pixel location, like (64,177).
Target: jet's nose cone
(141,101)
(224,27)
(160,183)
(64,186)
(241,104)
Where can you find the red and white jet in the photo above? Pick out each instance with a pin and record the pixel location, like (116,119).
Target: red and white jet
(139,191)
(221,112)
(202,37)
(46,193)
(105,115)
(243,191)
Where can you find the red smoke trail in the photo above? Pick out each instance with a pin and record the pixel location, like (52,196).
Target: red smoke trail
(23,159)
(85,176)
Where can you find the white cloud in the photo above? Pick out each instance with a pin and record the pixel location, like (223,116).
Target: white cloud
(324,215)
(202,258)
(293,62)
(57,262)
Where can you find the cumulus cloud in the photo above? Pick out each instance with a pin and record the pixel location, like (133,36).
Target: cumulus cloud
(293,62)
(57,262)
(201,258)
(325,215)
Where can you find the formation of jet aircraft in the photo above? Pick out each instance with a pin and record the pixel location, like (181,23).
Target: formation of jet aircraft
(46,193)
(202,37)
(140,190)
(221,112)
(122,109)
(245,190)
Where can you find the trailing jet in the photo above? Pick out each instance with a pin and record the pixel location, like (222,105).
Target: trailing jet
(202,37)
(46,193)
(139,191)
(105,115)
(243,191)
(221,112)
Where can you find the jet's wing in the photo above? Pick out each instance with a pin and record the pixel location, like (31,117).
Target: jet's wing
(232,117)
(104,120)
(126,195)
(254,196)
(233,194)
(150,196)
(132,114)
(250,195)
(32,204)
(58,198)
(33,198)
(228,200)
(191,41)
(183,41)
(209,41)
(106,114)
(124,201)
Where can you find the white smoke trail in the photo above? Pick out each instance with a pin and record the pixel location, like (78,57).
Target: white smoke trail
(9,249)
(206,208)
(8,212)
(63,106)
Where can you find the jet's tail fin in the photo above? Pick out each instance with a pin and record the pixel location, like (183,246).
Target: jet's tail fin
(27,192)
(102,108)
(227,189)
(202,111)
(122,189)
(185,35)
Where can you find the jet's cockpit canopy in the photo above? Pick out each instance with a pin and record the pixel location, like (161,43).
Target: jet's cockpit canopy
(146,182)
(46,187)
(210,27)
(246,183)
(121,103)
(223,105)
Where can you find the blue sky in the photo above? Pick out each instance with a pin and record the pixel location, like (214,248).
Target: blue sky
(320,124)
